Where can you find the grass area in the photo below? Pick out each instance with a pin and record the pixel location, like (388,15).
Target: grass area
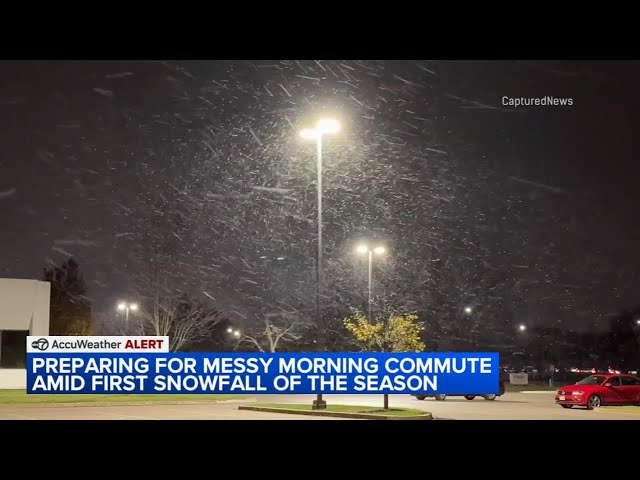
(399,412)
(531,387)
(13,397)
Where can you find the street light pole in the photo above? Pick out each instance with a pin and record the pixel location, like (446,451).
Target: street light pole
(319,403)
(522,328)
(474,341)
(319,247)
(322,127)
(379,250)
(370,251)
(126,307)
(370,281)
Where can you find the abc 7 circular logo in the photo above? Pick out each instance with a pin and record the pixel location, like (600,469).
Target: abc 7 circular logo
(40,344)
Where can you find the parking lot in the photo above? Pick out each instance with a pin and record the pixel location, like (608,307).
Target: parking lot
(511,406)
(216,411)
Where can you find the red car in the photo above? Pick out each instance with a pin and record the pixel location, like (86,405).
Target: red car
(600,389)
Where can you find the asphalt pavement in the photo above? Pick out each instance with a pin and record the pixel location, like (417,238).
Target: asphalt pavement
(217,411)
(511,406)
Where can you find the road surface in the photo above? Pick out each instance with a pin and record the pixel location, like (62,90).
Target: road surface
(218,411)
(512,406)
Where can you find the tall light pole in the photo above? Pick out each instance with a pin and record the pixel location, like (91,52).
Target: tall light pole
(126,307)
(366,249)
(468,311)
(323,127)
(522,328)
(370,251)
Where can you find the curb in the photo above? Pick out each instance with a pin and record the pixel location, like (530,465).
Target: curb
(320,413)
(538,391)
(122,404)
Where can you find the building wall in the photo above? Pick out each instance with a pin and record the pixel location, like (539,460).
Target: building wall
(24,305)
(13,378)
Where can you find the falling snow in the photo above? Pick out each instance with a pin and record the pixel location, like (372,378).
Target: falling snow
(119,75)
(199,181)
(7,193)
(104,92)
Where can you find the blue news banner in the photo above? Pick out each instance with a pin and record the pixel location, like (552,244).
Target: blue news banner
(263,373)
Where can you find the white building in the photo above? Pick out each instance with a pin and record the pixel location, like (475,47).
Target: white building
(24,310)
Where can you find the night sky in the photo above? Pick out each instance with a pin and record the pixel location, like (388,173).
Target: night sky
(194,171)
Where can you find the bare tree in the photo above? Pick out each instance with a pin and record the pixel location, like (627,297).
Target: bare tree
(182,320)
(279,328)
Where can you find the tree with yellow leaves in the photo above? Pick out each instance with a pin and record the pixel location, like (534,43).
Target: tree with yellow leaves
(399,333)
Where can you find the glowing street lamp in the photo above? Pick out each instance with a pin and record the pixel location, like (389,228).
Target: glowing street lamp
(323,127)
(365,249)
(126,308)
(522,328)
(328,126)
(468,310)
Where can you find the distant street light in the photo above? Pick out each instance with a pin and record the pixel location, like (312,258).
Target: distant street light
(522,328)
(638,321)
(365,249)
(468,310)
(323,127)
(126,307)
